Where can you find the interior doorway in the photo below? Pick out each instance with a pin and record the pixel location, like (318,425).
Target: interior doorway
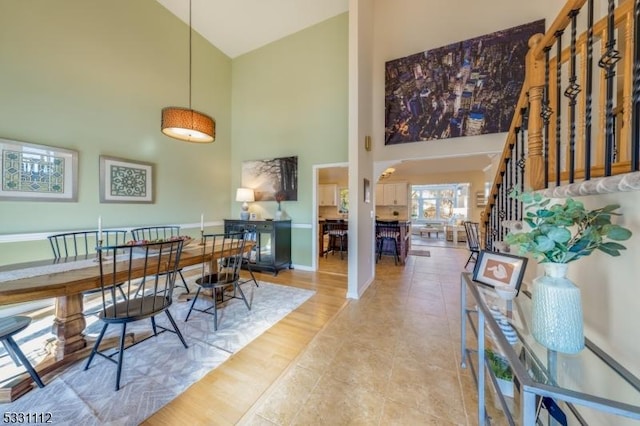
(331,204)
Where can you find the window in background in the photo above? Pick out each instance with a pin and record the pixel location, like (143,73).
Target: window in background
(343,206)
(440,203)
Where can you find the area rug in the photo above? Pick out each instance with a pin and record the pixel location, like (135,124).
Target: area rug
(424,253)
(159,369)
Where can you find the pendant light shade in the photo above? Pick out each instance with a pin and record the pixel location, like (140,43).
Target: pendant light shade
(188,125)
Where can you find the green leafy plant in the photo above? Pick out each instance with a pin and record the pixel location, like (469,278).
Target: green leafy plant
(562,233)
(499,365)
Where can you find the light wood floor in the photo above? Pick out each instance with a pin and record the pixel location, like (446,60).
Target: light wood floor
(389,358)
(226,394)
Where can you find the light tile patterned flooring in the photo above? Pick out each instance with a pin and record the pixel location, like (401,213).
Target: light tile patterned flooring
(390,358)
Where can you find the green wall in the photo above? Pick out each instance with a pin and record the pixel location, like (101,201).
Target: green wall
(291,98)
(93,76)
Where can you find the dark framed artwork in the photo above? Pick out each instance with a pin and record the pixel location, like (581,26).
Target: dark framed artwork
(125,181)
(270,177)
(367,190)
(467,88)
(32,172)
(500,270)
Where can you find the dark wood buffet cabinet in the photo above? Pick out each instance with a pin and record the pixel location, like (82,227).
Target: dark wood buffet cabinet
(272,251)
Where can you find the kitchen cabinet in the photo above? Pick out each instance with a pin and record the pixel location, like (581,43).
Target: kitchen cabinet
(327,194)
(392,194)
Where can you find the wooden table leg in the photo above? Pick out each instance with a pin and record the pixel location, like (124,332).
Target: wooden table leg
(68,326)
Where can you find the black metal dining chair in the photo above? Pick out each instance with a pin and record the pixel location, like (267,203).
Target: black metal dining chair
(159,264)
(221,263)
(83,243)
(473,241)
(250,234)
(10,326)
(159,233)
(387,232)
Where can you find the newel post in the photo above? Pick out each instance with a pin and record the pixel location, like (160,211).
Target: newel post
(535,82)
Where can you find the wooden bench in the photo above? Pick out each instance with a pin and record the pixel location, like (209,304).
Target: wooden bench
(429,229)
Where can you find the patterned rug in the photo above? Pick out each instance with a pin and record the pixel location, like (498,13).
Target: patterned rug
(158,370)
(424,253)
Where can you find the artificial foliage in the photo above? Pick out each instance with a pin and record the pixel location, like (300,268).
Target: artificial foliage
(562,233)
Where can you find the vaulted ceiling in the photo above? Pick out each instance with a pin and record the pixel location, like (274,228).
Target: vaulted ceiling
(240,26)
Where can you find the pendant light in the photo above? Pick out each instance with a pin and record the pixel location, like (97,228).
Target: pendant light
(187,124)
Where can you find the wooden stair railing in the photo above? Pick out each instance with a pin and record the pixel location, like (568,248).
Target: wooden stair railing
(578,107)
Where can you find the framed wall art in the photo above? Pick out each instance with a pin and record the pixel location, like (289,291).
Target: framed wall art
(466,88)
(125,181)
(500,270)
(272,176)
(367,190)
(32,172)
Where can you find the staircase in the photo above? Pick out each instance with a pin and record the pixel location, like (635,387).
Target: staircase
(577,127)
(576,134)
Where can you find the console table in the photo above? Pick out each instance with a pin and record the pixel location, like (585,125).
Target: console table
(272,249)
(589,387)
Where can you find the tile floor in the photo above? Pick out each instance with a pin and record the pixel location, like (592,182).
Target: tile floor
(390,358)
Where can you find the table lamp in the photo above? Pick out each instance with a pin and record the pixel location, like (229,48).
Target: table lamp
(245,195)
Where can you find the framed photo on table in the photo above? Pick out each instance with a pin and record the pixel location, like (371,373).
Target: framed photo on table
(125,181)
(32,172)
(500,270)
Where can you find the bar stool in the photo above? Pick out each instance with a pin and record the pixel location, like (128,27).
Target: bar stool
(14,325)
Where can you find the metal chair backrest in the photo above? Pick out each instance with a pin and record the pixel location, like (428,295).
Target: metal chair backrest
(80,243)
(337,228)
(222,256)
(390,230)
(155,233)
(250,234)
(473,235)
(249,230)
(125,264)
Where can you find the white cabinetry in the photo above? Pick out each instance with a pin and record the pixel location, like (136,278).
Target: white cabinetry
(327,194)
(392,194)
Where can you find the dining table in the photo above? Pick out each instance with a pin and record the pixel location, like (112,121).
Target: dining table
(65,280)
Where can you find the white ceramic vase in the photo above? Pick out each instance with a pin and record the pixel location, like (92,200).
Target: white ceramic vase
(557,311)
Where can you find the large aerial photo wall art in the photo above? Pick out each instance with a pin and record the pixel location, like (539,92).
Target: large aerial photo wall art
(464,89)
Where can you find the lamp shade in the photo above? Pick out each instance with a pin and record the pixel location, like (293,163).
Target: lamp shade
(188,125)
(245,195)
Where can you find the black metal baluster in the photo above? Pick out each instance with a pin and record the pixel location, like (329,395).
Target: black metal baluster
(517,177)
(635,105)
(486,233)
(608,62)
(497,232)
(588,94)
(510,179)
(546,114)
(494,226)
(571,92)
(522,163)
(502,203)
(558,35)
